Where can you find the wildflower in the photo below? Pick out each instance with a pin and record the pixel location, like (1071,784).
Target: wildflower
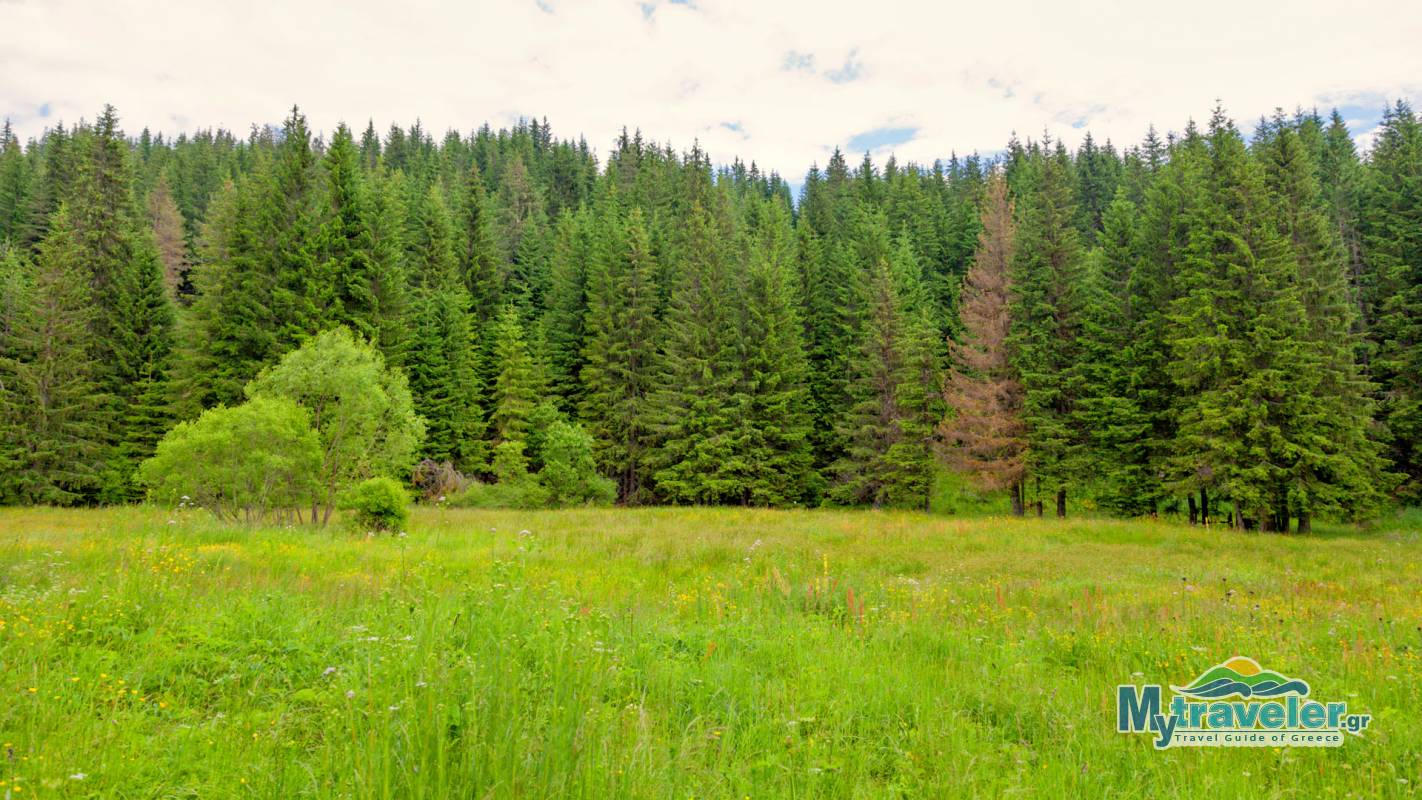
(78,776)
(328,672)
(350,693)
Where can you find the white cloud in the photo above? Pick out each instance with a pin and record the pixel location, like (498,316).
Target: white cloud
(794,78)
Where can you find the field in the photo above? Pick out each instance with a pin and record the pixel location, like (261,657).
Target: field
(670,653)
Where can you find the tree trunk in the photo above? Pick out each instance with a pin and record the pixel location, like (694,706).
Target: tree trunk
(1204,507)
(1194,512)
(1061,503)
(1017,508)
(1038,504)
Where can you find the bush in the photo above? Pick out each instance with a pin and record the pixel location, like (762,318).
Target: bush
(361,410)
(243,464)
(379,504)
(569,469)
(524,492)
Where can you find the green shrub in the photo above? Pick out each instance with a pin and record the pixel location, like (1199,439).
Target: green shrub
(524,492)
(243,464)
(379,504)
(569,469)
(510,463)
(361,409)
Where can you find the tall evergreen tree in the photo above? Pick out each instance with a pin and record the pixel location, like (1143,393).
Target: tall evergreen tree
(619,372)
(773,442)
(518,386)
(694,404)
(1047,317)
(56,418)
(887,462)
(983,432)
(1392,253)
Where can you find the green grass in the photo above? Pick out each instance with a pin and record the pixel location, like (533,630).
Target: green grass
(681,653)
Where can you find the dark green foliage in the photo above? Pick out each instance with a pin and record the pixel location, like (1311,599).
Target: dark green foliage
(620,355)
(56,417)
(693,405)
(518,385)
(773,437)
(443,377)
(895,387)
(1117,432)
(1189,317)
(1392,254)
(1048,307)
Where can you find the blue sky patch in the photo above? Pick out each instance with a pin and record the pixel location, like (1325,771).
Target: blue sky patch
(881,137)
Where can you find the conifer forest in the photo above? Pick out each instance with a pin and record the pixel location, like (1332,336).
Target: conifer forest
(1223,322)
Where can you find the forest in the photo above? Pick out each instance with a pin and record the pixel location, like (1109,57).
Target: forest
(1206,323)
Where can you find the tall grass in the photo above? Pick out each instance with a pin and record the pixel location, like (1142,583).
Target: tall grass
(681,653)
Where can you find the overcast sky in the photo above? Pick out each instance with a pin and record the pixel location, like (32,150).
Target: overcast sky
(781,83)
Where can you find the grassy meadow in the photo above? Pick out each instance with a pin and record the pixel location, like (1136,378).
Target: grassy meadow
(681,653)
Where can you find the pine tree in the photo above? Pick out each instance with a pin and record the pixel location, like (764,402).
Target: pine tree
(984,433)
(693,404)
(563,319)
(1047,307)
(1392,253)
(517,386)
(773,443)
(1115,429)
(481,261)
(14,187)
(304,294)
(1343,470)
(619,355)
(169,235)
(56,419)
(888,427)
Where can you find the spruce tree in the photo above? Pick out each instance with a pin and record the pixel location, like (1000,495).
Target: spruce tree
(1048,280)
(57,421)
(1115,429)
(14,187)
(518,386)
(619,372)
(1248,381)
(482,263)
(1343,471)
(443,378)
(773,440)
(888,426)
(170,237)
(983,432)
(304,293)
(694,406)
(563,318)
(1392,253)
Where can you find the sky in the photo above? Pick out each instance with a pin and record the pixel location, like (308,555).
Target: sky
(778,83)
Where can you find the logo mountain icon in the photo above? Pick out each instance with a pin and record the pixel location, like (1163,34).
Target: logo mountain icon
(1244,677)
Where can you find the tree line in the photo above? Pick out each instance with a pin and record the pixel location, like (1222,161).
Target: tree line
(1200,321)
